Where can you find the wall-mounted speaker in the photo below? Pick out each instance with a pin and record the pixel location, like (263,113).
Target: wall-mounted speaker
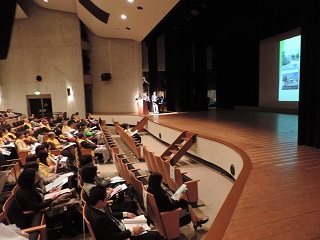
(105,76)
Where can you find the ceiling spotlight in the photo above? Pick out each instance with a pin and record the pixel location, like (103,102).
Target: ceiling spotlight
(123,16)
(130,0)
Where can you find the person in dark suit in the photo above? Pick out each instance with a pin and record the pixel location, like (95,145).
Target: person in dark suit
(166,203)
(108,226)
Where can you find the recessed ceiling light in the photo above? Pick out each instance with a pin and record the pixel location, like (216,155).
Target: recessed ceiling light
(123,16)
(45,0)
(130,0)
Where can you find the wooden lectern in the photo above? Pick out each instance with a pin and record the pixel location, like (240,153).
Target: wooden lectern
(142,107)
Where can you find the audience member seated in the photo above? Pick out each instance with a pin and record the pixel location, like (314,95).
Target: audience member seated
(7,140)
(89,178)
(59,167)
(127,130)
(45,126)
(95,136)
(10,133)
(45,172)
(166,203)
(20,144)
(29,139)
(83,142)
(10,113)
(68,131)
(87,159)
(30,196)
(4,139)
(92,120)
(122,202)
(27,124)
(108,226)
(55,144)
(75,118)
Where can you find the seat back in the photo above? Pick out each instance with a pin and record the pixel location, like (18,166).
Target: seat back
(167,223)
(166,168)
(84,196)
(15,213)
(192,185)
(4,218)
(23,156)
(158,161)
(84,210)
(31,222)
(3,179)
(117,164)
(151,161)
(146,159)
(139,189)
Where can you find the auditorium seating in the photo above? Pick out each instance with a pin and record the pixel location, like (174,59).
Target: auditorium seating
(167,223)
(135,147)
(36,227)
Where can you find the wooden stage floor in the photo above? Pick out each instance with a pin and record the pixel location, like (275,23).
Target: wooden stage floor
(281,197)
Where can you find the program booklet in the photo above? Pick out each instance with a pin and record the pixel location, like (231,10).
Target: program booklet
(138,220)
(180,190)
(118,189)
(49,195)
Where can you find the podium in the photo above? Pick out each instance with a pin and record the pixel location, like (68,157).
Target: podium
(142,107)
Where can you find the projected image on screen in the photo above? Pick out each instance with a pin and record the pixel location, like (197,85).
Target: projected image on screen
(289,69)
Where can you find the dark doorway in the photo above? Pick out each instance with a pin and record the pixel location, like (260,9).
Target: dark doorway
(40,106)
(88,97)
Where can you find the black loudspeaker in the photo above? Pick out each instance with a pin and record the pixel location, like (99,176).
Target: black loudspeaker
(105,76)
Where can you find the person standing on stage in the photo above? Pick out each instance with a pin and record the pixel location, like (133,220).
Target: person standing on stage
(154,99)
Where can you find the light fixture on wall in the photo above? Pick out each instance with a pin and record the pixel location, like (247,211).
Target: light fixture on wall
(37,93)
(68,91)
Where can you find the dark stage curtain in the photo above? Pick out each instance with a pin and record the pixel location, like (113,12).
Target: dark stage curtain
(309,98)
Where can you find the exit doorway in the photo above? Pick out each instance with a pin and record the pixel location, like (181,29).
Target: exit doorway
(40,106)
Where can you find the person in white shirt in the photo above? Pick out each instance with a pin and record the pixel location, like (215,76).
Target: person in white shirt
(154,99)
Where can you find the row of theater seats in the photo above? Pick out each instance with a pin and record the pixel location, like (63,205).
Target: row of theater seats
(172,181)
(33,223)
(9,174)
(167,223)
(134,145)
(18,123)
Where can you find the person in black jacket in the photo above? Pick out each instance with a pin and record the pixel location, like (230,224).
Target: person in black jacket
(166,203)
(108,226)
(30,196)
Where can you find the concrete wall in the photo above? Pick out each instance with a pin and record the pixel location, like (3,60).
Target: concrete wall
(48,44)
(123,59)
